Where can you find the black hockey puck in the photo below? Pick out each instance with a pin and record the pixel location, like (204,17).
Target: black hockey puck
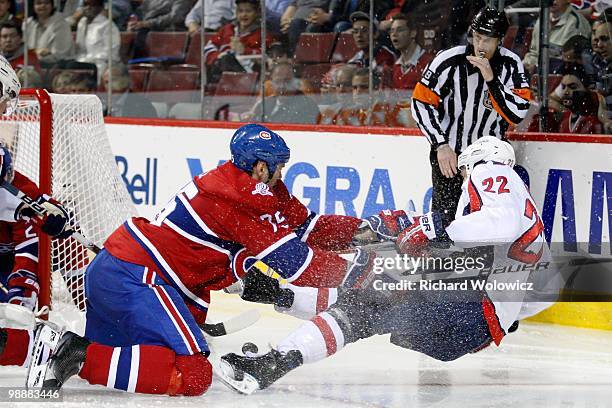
(249,348)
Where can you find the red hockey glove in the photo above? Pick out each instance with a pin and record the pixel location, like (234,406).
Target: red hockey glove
(23,289)
(427,228)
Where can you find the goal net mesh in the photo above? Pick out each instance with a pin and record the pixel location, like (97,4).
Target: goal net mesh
(84,178)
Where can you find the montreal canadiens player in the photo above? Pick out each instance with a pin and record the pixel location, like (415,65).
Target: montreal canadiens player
(149,289)
(18,274)
(495,208)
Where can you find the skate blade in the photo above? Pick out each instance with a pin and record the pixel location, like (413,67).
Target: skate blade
(45,343)
(246,386)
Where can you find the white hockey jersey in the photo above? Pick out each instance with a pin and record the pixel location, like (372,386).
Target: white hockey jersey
(496,208)
(8,206)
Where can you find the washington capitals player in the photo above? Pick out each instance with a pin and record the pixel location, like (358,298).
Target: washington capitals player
(149,288)
(496,208)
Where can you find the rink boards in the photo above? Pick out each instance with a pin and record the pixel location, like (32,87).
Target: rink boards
(336,170)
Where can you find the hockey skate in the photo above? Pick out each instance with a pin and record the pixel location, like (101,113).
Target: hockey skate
(249,373)
(56,356)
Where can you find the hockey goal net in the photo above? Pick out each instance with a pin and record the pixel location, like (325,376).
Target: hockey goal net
(60,142)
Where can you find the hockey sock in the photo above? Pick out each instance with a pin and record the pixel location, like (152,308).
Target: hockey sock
(146,369)
(16,347)
(315,340)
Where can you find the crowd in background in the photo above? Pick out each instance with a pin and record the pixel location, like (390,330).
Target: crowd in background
(316,63)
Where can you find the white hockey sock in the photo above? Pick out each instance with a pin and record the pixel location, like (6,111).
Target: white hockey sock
(307,301)
(319,338)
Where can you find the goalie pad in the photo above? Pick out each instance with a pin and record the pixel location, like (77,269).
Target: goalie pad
(16,317)
(45,343)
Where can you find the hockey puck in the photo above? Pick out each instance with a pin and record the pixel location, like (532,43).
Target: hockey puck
(249,348)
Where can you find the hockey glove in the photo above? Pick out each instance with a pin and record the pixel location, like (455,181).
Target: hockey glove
(360,272)
(260,288)
(23,289)
(425,230)
(385,225)
(256,286)
(54,222)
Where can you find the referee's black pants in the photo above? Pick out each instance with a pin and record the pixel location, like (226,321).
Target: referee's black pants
(446,191)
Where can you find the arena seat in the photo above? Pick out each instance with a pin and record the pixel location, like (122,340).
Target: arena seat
(510,37)
(172,86)
(345,48)
(138,80)
(193,55)
(163,47)
(236,83)
(126,50)
(314,47)
(522,48)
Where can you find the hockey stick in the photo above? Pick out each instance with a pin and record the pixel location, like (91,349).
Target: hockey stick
(42,211)
(232,325)
(19,317)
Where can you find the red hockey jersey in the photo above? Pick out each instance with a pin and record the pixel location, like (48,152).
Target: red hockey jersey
(19,240)
(193,241)
(406,74)
(221,42)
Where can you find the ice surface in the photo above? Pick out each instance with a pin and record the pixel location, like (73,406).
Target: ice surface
(539,365)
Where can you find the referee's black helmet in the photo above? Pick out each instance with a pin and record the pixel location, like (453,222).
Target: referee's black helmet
(490,22)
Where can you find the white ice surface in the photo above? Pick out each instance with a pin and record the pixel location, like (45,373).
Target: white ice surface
(538,366)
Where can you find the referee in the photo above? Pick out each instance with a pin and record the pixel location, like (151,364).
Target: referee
(468,92)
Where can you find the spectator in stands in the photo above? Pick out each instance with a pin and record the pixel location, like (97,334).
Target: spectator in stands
(413,59)
(49,34)
(340,96)
(161,15)
(565,22)
(289,104)
(125,103)
(363,110)
(383,56)
(158,15)
(235,45)
(62,82)
(92,37)
(581,103)
(310,16)
(381,9)
(216,14)
(603,59)
(12,46)
(274,12)
(7,9)
(82,83)
(278,53)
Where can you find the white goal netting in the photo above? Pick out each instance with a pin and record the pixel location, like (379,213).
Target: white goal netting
(84,177)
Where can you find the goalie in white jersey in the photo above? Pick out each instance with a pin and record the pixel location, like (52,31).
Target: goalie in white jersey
(497,213)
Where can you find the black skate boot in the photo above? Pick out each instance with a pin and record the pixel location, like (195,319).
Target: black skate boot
(66,361)
(247,374)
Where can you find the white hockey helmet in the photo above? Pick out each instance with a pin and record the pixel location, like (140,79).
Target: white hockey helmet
(10,86)
(487,148)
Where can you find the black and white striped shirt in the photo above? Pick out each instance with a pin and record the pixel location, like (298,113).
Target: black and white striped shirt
(453,104)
